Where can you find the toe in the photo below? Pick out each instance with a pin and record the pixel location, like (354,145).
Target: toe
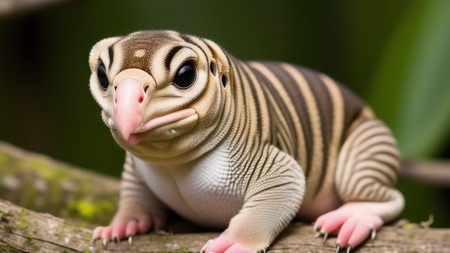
(333,222)
(118,231)
(363,229)
(346,231)
(97,233)
(144,224)
(220,244)
(131,228)
(107,232)
(106,235)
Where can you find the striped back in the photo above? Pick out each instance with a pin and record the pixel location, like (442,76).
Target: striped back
(302,112)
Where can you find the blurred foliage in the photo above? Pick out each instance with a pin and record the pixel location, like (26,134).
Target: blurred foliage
(411,90)
(391,52)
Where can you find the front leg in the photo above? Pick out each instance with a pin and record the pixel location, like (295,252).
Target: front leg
(139,209)
(274,192)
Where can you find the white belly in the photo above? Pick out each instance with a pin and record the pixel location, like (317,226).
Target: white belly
(201,191)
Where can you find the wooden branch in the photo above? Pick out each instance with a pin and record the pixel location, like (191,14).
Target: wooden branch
(23,230)
(433,172)
(41,183)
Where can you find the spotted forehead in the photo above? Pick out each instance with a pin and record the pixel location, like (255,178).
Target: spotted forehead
(139,49)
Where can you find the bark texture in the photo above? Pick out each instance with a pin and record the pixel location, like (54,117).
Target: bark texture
(22,230)
(83,199)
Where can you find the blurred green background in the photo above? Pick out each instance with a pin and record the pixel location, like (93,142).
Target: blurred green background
(393,53)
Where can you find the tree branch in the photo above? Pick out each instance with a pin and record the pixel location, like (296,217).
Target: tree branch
(41,183)
(23,230)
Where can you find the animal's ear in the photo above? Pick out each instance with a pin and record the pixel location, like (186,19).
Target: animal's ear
(98,48)
(220,55)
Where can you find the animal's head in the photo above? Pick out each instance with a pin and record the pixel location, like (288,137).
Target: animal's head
(162,93)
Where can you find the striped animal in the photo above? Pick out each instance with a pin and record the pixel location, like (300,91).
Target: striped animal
(246,146)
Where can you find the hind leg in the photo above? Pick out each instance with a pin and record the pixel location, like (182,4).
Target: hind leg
(366,172)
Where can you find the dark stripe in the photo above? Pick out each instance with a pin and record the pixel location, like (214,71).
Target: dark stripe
(263,165)
(384,143)
(271,187)
(253,93)
(188,39)
(223,51)
(352,108)
(322,97)
(273,92)
(170,56)
(244,124)
(374,180)
(380,172)
(302,112)
(291,88)
(253,167)
(111,56)
(383,194)
(367,126)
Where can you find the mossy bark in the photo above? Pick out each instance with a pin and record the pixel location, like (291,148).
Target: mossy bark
(40,183)
(22,230)
(84,199)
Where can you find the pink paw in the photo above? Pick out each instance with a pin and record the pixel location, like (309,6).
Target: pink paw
(223,244)
(119,230)
(351,229)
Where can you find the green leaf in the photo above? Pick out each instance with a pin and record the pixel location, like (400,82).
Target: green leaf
(411,90)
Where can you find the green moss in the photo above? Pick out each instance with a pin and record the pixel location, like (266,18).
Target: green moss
(100,211)
(22,222)
(4,158)
(46,170)
(411,249)
(29,242)
(4,217)
(84,208)
(29,200)
(6,248)
(8,228)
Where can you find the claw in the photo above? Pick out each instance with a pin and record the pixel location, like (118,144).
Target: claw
(373,232)
(93,240)
(349,249)
(325,236)
(130,240)
(115,238)
(105,242)
(338,248)
(206,245)
(315,228)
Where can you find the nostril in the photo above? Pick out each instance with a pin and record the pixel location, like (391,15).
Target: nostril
(141,99)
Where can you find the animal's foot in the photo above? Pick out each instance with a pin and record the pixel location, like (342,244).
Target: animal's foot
(127,228)
(223,244)
(351,228)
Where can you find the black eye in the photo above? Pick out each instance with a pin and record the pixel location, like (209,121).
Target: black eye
(102,78)
(185,76)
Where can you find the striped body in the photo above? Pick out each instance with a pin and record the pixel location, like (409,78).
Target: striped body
(268,141)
